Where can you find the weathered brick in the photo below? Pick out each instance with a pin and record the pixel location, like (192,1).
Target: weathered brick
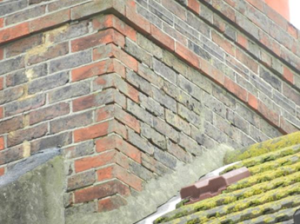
(70,122)
(48,82)
(113,80)
(102,37)
(291,93)
(284,102)
(165,158)
(149,46)
(51,141)
(114,111)
(164,99)
(105,97)
(24,44)
(223,96)
(12,154)
(12,94)
(49,52)
(238,91)
(11,124)
(101,191)
(237,121)
(152,18)
(138,52)
(139,112)
(10,7)
(150,76)
(81,180)
(153,136)
(2,143)
(194,5)
(178,152)
(14,32)
(99,130)
(213,132)
(177,122)
(165,129)
(197,24)
(188,56)
(190,144)
(23,76)
(53,6)
(164,71)
(48,113)
(141,24)
(19,136)
(79,150)
(70,61)
(139,82)
(83,208)
(185,29)
(25,15)
(190,116)
(140,142)
(49,20)
(68,92)
(24,105)
(248,114)
(270,78)
(11,65)
(151,105)
(164,40)
(111,203)
(115,171)
(161,12)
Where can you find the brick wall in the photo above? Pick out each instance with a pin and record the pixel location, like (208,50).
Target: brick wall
(130,89)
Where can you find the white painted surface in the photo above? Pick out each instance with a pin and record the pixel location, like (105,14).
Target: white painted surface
(295,13)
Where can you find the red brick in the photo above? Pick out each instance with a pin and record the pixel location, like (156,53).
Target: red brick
(187,55)
(102,37)
(253,102)
(223,43)
(2,171)
(99,130)
(257,4)
(1,112)
(111,111)
(140,23)
(2,143)
(162,38)
(194,5)
(1,22)
(276,17)
(115,171)
(106,143)
(292,31)
(14,32)
(1,54)
(111,21)
(235,89)
(101,191)
(84,102)
(95,69)
(288,75)
(242,40)
(113,51)
(212,72)
(50,20)
(269,114)
(111,203)
(11,124)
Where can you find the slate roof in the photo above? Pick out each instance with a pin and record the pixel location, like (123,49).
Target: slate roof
(270,195)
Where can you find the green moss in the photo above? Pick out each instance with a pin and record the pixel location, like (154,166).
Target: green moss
(264,147)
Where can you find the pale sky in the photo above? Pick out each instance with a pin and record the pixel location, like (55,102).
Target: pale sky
(295,13)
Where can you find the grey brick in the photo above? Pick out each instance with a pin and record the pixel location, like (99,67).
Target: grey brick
(138,52)
(206,13)
(70,91)
(151,105)
(224,125)
(284,102)
(149,16)
(214,105)
(197,24)
(48,82)
(11,94)
(164,100)
(177,122)
(259,84)
(202,139)
(139,112)
(149,46)
(140,171)
(277,65)
(164,71)
(173,62)
(214,133)
(269,130)
(70,61)
(172,32)
(223,96)
(237,121)
(186,30)
(12,6)
(11,65)
(178,152)
(211,48)
(257,135)
(143,3)
(190,116)
(246,140)
(81,180)
(190,87)
(190,145)
(165,158)
(140,142)
(199,51)
(70,122)
(254,49)
(165,129)
(161,12)
(59,140)
(79,150)
(248,115)
(199,80)
(270,78)
(24,105)
(25,15)
(153,136)
(246,24)
(149,75)
(246,85)
(139,82)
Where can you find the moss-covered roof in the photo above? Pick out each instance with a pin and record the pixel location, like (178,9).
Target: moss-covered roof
(270,195)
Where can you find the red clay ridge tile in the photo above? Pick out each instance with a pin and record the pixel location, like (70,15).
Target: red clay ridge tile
(212,186)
